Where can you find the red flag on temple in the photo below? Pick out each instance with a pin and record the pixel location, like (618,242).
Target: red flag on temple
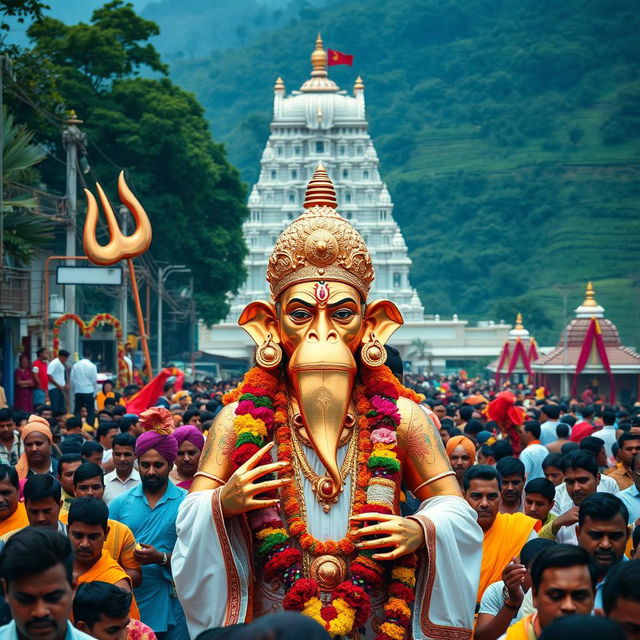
(335,57)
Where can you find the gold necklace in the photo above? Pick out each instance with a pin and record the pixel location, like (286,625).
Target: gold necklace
(322,485)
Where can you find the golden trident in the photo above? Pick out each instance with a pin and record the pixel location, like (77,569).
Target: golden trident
(119,247)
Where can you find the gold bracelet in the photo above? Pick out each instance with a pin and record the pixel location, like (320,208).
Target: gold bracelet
(444,474)
(204,474)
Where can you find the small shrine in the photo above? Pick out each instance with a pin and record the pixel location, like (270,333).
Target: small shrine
(590,359)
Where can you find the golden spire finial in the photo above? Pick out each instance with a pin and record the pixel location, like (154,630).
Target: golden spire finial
(320,191)
(519,326)
(359,85)
(319,58)
(590,299)
(279,86)
(72,117)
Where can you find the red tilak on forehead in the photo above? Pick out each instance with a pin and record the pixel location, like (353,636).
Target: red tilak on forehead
(321,292)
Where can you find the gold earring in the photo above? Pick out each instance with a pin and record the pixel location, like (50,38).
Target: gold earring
(268,354)
(373,354)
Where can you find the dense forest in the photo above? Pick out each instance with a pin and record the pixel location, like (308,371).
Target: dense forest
(508,133)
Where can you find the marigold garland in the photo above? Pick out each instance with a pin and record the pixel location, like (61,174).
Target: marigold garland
(261,415)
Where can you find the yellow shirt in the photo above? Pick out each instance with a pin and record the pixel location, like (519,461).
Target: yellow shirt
(17,520)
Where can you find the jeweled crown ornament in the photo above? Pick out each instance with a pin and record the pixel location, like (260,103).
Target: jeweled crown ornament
(320,245)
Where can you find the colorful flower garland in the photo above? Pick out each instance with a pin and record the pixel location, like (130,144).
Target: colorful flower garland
(261,414)
(88,329)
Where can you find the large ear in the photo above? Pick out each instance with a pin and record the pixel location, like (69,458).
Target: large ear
(258,319)
(382,317)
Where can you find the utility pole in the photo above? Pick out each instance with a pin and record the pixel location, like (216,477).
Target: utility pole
(72,140)
(163,274)
(124,289)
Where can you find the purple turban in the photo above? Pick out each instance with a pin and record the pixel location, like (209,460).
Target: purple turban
(190,433)
(158,423)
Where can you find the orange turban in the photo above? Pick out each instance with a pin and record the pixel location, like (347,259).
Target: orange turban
(35,424)
(465,443)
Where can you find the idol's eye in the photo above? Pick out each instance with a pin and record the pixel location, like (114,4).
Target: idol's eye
(300,314)
(343,314)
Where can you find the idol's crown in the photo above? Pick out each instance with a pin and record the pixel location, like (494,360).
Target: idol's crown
(320,245)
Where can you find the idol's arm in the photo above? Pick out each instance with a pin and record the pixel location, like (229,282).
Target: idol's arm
(427,472)
(215,462)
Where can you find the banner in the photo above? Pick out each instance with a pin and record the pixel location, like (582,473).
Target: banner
(519,353)
(149,395)
(503,358)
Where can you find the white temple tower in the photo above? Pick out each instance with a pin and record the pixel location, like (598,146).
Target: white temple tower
(322,123)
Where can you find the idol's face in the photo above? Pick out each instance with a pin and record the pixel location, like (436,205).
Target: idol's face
(320,312)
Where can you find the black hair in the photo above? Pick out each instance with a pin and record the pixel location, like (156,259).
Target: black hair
(568,447)
(602,506)
(531,549)
(41,487)
(86,352)
(583,627)
(105,427)
(6,471)
(623,581)
(567,418)
(635,537)
(562,430)
(88,470)
(189,414)
(40,351)
(34,550)
(592,444)
(473,427)
(551,411)
(90,447)
(502,449)
(5,415)
(580,459)
(74,422)
(64,353)
(608,416)
(126,422)
(124,440)
(169,385)
(487,451)
(118,410)
(68,458)
(625,437)
(96,599)
(466,412)
(561,555)
(544,487)
(587,411)
(89,511)
(533,427)
(212,406)
(509,466)
(205,416)
(480,472)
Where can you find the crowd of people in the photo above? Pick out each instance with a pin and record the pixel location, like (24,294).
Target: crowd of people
(89,501)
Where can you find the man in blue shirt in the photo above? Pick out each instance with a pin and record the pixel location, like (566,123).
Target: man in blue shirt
(631,495)
(37,567)
(150,510)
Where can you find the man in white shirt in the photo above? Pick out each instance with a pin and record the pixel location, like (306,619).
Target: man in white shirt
(84,381)
(608,433)
(124,476)
(57,374)
(549,415)
(534,453)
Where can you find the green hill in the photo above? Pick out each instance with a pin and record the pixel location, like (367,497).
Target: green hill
(508,133)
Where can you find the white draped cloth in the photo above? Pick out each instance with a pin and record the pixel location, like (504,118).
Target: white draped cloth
(213,566)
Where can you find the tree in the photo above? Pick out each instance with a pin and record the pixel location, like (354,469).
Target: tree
(157,132)
(422,349)
(575,135)
(24,230)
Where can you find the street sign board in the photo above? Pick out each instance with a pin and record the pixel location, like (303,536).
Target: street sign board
(89,275)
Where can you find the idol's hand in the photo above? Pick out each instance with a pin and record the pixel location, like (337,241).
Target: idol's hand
(402,534)
(238,494)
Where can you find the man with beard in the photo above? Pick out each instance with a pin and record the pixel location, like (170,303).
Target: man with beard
(150,510)
(603,532)
(504,533)
(36,566)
